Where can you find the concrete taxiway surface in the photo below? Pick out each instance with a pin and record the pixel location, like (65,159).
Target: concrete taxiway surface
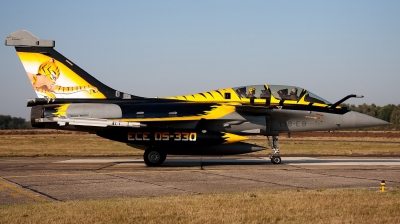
(61,179)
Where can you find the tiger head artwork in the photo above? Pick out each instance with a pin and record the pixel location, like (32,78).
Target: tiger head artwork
(44,82)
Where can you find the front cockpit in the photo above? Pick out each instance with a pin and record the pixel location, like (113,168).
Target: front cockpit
(296,94)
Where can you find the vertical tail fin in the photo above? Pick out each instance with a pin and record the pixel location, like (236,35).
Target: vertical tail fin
(54,76)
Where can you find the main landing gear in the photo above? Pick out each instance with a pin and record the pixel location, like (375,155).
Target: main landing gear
(275,158)
(154,156)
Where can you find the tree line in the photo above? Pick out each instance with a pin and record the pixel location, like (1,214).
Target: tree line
(8,122)
(389,113)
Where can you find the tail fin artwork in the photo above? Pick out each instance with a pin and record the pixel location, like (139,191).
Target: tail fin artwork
(52,75)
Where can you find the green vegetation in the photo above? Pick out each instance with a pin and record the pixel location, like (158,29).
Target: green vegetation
(266,206)
(8,122)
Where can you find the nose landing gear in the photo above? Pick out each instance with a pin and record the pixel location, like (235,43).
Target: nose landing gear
(275,158)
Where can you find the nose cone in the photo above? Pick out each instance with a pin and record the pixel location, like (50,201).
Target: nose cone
(354,119)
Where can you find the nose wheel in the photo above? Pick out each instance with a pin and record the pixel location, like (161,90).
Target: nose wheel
(275,158)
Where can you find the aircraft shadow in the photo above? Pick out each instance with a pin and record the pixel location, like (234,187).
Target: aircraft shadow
(212,162)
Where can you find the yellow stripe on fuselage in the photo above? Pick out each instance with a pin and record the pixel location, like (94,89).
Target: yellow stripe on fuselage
(232,138)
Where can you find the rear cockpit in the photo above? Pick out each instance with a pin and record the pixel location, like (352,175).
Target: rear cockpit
(254,91)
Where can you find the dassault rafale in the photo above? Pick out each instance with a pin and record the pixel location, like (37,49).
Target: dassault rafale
(208,123)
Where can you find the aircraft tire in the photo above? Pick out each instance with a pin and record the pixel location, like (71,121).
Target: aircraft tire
(276,160)
(154,156)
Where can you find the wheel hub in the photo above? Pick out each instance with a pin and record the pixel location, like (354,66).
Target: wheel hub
(154,157)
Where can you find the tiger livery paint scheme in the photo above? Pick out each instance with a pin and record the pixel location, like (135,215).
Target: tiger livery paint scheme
(207,123)
(44,82)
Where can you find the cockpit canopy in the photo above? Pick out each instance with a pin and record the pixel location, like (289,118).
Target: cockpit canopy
(279,92)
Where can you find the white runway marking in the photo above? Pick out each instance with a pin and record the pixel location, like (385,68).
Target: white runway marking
(101,160)
(348,161)
(298,161)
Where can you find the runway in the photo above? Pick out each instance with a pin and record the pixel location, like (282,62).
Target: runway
(24,180)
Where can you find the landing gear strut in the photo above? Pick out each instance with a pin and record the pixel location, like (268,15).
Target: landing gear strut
(275,158)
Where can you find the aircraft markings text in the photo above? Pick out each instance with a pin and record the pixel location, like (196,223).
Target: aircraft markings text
(292,123)
(162,136)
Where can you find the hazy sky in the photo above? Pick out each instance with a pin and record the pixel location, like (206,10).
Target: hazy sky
(163,48)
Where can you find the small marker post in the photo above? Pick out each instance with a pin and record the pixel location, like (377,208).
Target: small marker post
(383,184)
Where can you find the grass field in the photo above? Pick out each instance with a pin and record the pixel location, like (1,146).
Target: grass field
(79,144)
(278,206)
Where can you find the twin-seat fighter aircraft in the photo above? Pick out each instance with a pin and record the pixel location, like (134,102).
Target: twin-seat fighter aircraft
(209,123)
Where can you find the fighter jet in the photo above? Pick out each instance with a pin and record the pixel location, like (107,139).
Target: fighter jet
(209,123)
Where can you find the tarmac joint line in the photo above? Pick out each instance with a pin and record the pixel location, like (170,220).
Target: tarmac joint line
(20,191)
